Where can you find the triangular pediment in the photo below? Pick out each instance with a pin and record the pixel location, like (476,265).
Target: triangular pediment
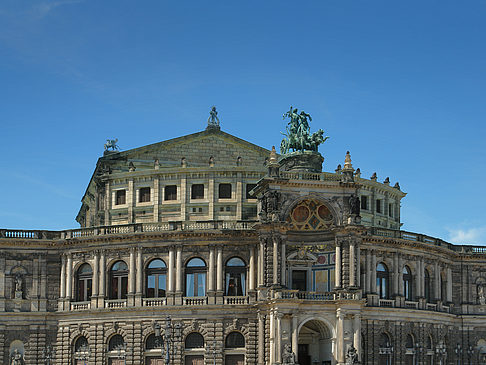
(197,149)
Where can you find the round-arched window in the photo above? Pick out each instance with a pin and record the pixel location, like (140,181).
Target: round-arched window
(382,281)
(116,343)
(235,271)
(235,340)
(195,278)
(84,282)
(156,278)
(407,283)
(194,340)
(119,280)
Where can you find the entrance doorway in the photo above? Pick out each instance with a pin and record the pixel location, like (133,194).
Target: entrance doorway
(315,344)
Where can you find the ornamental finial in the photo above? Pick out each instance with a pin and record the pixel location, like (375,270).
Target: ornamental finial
(213,120)
(348,166)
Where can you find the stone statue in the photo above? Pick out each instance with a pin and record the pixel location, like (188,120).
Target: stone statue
(288,357)
(18,283)
(17,358)
(298,133)
(351,356)
(354,205)
(481,294)
(213,117)
(111,143)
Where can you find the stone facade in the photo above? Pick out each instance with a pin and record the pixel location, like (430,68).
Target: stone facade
(206,249)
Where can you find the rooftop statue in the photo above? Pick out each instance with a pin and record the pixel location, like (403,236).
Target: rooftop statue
(111,143)
(298,133)
(213,117)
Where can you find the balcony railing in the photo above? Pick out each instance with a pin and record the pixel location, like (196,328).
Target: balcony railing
(387,303)
(236,300)
(115,303)
(80,306)
(154,302)
(411,305)
(195,300)
(305,295)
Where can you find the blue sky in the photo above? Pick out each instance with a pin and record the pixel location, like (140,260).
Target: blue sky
(402,85)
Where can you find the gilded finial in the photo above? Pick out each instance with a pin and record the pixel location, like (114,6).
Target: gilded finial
(348,166)
(273,156)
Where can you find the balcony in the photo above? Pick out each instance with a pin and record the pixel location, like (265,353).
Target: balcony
(239,300)
(154,302)
(115,303)
(195,300)
(80,306)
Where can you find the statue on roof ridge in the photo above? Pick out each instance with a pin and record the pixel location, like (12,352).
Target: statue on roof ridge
(298,133)
(213,120)
(111,143)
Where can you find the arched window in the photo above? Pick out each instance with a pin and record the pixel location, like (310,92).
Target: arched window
(385,350)
(409,350)
(407,283)
(156,275)
(234,340)
(81,351)
(153,351)
(119,280)
(194,340)
(196,278)
(151,343)
(427,292)
(116,343)
(235,277)
(429,351)
(382,281)
(84,282)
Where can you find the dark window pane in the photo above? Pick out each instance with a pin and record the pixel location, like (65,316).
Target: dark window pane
(235,340)
(124,287)
(116,342)
(224,191)
(197,191)
(378,205)
(144,195)
(250,187)
(299,280)
(120,197)
(170,192)
(194,341)
(364,202)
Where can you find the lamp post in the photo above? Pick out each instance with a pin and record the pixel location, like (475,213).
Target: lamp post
(168,339)
(458,351)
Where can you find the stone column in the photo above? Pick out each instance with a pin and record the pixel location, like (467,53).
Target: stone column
(183,197)
(261,263)
(239,196)
(278,338)
(295,335)
(251,269)
(131,272)
(449,285)
(338,265)
(340,337)
(373,272)
(130,200)
(179,275)
(283,264)
(396,278)
(272,338)
(352,264)
(418,280)
(102,282)
(400,276)
(358,267)
(69,278)
(63,277)
(211,197)
(139,280)
(357,334)
(261,338)
(107,203)
(436,281)
(96,280)
(368,272)
(275,260)
(170,286)
(211,269)
(219,273)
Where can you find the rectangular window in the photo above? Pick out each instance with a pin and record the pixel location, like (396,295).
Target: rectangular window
(390,210)
(144,195)
(364,202)
(299,280)
(197,191)
(224,191)
(120,197)
(250,187)
(170,192)
(378,206)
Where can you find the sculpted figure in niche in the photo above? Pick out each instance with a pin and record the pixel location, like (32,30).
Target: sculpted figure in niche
(288,356)
(354,205)
(17,358)
(352,356)
(481,294)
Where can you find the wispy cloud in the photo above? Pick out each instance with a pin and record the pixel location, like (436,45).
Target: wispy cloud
(472,235)
(44,8)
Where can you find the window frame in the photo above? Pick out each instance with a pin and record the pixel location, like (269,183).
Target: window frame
(84,282)
(159,274)
(198,273)
(145,194)
(237,272)
(168,195)
(383,281)
(121,284)
(194,195)
(117,197)
(222,194)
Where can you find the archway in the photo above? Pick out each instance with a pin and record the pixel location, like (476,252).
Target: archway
(315,343)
